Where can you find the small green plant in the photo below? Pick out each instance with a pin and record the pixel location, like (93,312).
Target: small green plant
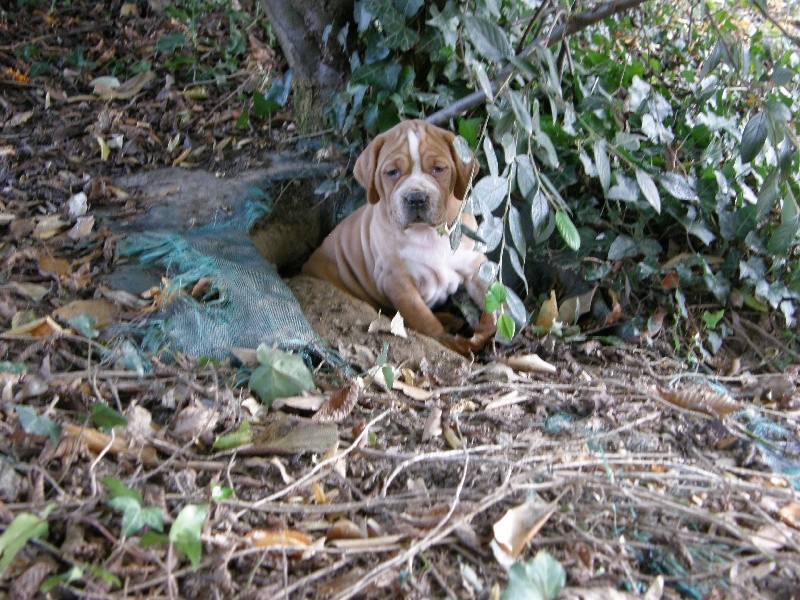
(184,535)
(20,531)
(243,435)
(541,578)
(128,501)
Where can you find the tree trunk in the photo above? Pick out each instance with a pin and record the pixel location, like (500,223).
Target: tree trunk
(319,68)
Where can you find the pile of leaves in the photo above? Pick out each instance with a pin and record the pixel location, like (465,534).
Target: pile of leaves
(590,469)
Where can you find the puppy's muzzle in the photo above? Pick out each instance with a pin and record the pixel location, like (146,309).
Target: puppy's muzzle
(416,201)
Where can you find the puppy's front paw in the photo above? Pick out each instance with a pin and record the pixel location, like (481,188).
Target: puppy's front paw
(467,346)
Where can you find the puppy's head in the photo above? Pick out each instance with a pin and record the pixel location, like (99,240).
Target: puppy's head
(415,168)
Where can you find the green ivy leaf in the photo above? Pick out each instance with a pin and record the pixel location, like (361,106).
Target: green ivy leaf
(567,230)
(506,327)
(280,374)
(128,501)
(184,534)
(712,319)
(105,417)
(33,424)
(240,437)
(23,528)
(495,296)
(136,517)
(73,574)
(539,579)
(753,136)
(783,237)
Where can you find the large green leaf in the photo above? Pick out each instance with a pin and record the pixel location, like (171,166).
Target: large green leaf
(279,375)
(602,164)
(753,136)
(488,38)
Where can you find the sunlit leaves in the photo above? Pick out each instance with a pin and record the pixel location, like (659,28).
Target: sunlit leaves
(649,189)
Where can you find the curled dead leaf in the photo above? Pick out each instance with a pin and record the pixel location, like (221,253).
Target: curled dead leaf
(51,265)
(264,538)
(43,327)
(96,441)
(339,405)
(700,399)
(344,529)
(548,313)
(518,527)
(103,311)
(790,514)
(530,363)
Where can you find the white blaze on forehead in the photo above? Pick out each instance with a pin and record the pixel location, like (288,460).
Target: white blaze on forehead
(413,150)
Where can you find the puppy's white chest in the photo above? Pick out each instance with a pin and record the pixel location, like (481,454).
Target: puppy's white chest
(432,264)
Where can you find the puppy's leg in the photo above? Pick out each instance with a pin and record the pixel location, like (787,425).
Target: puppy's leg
(405,298)
(476,288)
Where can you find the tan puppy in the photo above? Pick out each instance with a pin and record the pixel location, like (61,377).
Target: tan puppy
(389,252)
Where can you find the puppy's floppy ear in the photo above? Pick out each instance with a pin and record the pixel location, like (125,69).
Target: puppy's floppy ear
(464,171)
(365,169)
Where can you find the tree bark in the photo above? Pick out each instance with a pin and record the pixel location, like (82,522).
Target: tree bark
(320,68)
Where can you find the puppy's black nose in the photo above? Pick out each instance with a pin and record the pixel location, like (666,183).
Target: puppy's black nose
(416,199)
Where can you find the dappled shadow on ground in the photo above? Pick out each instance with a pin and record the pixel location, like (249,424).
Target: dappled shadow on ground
(637,471)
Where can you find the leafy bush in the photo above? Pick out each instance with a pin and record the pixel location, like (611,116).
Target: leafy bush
(662,141)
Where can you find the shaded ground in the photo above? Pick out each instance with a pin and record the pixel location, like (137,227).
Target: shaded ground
(679,489)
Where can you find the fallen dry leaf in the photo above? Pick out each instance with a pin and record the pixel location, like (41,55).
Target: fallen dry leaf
(530,363)
(42,327)
(344,529)
(264,538)
(96,441)
(103,311)
(306,402)
(48,226)
(518,527)
(700,399)
(339,405)
(790,514)
(548,313)
(575,307)
(51,265)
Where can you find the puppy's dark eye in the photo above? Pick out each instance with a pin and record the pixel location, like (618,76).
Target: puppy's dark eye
(437,170)
(393,173)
